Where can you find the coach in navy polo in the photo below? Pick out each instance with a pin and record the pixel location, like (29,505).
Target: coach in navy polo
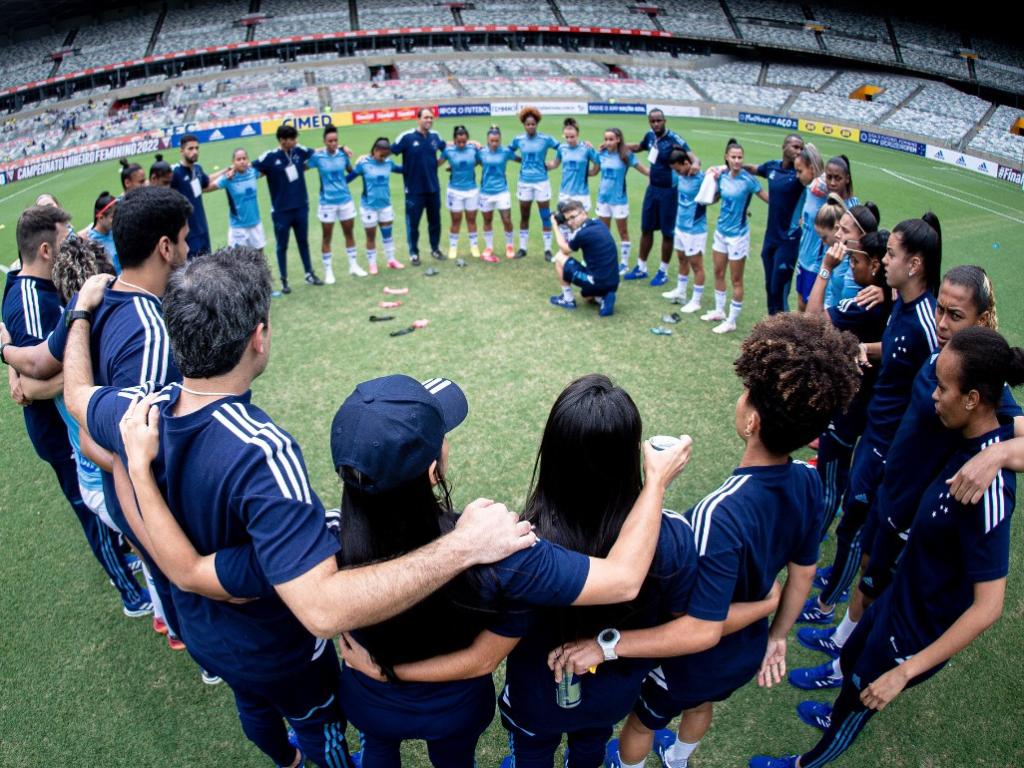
(189,178)
(419,148)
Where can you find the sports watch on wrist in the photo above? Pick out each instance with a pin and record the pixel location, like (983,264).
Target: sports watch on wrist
(76,314)
(3,346)
(824,273)
(608,639)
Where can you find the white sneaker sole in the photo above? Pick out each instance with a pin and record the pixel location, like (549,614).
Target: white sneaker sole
(725,327)
(690,308)
(713,317)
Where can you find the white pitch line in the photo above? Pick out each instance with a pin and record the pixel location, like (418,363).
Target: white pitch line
(30,186)
(907,180)
(968,194)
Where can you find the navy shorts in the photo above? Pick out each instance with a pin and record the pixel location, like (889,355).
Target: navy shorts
(660,701)
(805,282)
(576,273)
(659,211)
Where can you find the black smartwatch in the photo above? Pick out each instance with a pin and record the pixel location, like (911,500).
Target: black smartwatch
(4,346)
(76,314)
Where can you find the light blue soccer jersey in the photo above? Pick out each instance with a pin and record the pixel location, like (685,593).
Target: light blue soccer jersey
(575,166)
(612,190)
(243,207)
(736,192)
(376,181)
(492,175)
(463,165)
(811,246)
(333,169)
(533,150)
(691,218)
(89,476)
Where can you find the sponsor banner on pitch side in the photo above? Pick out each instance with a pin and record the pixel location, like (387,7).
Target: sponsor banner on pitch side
(1012,175)
(960,160)
(464,110)
(674,110)
(832,130)
(241,131)
(503,108)
(608,108)
(387,115)
(66,160)
(307,120)
(773,121)
(893,142)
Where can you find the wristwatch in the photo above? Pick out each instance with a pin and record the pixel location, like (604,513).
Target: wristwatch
(3,346)
(608,639)
(824,273)
(76,314)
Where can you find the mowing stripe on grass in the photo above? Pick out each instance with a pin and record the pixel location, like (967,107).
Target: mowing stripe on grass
(44,180)
(930,188)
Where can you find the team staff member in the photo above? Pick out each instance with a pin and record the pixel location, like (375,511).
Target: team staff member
(419,150)
(659,210)
(336,204)
(285,169)
(268,649)
(189,178)
(950,583)
(598,277)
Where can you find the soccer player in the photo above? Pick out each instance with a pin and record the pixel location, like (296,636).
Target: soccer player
(132,175)
(912,266)
(950,582)
(782,231)
(811,173)
(463,196)
(691,233)
(336,204)
(419,149)
(285,169)
(102,223)
(533,179)
(597,276)
(494,192)
(763,518)
(31,310)
(230,476)
(245,226)
(615,160)
(579,161)
(839,179)
(189,178)
(731,244)
(853,224)
(659,208)
(375,203)
(160,172)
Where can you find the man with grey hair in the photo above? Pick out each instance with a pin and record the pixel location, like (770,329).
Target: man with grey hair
(236,484)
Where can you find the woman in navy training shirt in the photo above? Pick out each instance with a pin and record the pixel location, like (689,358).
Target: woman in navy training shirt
(950,583)
(912,266)
(763,518)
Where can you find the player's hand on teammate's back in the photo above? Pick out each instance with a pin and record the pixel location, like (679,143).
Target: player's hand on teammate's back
(357,657)
(92,292)
(492,531)
(140,432)
(773,667)
(664,466)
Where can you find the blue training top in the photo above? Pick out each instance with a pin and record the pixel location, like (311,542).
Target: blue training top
(691,217)
(333,170)
(612,190)
(812,247)
(736,192)
(243,206)
(285,172)
(533,150)
(463,167)
(492,175)
(107,240)
(575,168)
(376,181)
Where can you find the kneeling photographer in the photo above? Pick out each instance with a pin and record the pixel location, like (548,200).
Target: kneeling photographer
(597,274)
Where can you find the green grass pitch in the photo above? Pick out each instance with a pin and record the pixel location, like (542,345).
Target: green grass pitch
(82,685)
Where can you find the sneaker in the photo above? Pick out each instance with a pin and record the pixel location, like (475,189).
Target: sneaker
(816,714)
(558,301)
(453,252)
(611,754)
(460,262)
(209,678)
(663,739)
(488,251)
(285,289)
(160,626)
(676,294)
(507,762)
(623,268)
(813,614)
(636,273)
(353,269)
(373,268)
(819,639)
(414,259)
(726,326)
(764,761)
(659,279)
(690,307)
(520,254)
(175,643)
(133,562)
(715,315)
(474,251)
(436,254)
(510,252)
(312,279)
(489,257)
(395,264)
(329,275)
(607,305)
(548,256)
(141,606)
(821,576)
(815,678)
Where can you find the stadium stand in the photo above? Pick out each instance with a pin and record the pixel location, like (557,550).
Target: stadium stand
(778,24)
(605,15)
(852,32)
(185,28)
(827,106)
(28,61)
(803,77)
(112,41)
(302,17)
(384,14)
(351,73)
(508,13)
(524,86)
(629,90)
(703,18)
(391,90)
(995,137)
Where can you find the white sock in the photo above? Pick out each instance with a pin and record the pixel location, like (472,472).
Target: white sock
(844,630)
(327,257)
(678,755)
(681,283)
(453,239)
(837,671)
(371,256)
(624,764)
(719,301)
(624,248)
(663,267)
(567,293)
(524,237)
(352,253)
(472,238)
(389,248)
(734,311)
(489,238)
(698,293)
(547,240)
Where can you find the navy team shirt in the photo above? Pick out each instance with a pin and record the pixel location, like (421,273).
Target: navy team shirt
(662,174)
(909,340)
(758,521)
(191,182)
(599,252)
(528,698)
(952,547)
(232,477)
(867,325)
(419,160)
(285,172)
(32,309)
(785,194)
